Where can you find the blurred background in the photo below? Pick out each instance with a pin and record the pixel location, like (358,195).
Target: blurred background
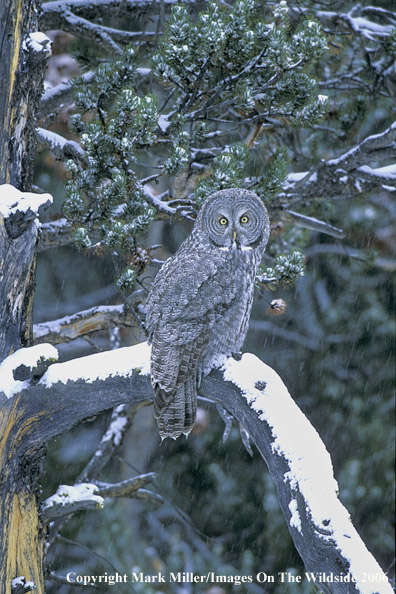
(333,346)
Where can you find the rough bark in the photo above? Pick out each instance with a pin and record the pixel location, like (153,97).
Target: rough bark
(22,68)
(21,538)
(17,265)
(20,531)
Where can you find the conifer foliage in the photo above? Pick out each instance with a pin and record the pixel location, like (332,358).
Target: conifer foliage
(215,75)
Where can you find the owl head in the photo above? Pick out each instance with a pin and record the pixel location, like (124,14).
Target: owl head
(235,218)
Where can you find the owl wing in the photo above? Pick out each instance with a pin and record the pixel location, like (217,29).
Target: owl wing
(187,297)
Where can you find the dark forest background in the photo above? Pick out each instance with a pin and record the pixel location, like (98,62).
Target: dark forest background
(333,345)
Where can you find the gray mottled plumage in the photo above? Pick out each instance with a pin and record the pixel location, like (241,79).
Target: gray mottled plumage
(199,305)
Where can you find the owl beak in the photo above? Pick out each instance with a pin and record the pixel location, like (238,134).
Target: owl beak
(235,235)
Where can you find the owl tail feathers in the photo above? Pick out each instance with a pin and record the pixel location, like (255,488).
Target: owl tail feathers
(176,413)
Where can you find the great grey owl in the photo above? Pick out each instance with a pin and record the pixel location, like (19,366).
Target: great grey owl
(199,305)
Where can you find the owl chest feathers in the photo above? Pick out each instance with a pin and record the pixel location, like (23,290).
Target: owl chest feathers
(229,332)
(204,293)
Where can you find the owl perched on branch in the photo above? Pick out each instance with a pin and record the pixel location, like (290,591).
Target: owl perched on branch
(199,305)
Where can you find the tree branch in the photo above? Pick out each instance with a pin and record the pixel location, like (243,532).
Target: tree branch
(55,234)
(92,8)
(58,15)
(61,147)
(348,174)
(85,496)
(54,99)
(350,22)
(296,457)
(68,500)
(372,148)
(82,323)
(74,16)
(121,419)
(315,224)
(131,488)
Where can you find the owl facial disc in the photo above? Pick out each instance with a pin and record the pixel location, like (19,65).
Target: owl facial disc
(234,218)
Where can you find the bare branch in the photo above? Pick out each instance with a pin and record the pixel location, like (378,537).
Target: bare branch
(121,419)
(130,488)
(315,224)
(125,488)
(388,264)
(148,496)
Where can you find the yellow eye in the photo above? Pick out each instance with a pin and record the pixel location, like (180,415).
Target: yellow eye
(223,221)
(244,219)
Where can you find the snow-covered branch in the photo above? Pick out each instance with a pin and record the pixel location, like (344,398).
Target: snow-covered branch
(55,98)
(14,203)
(372,148)
(18,237)
(82,323)
(349,173)
(93,8)
(61,147)
(58,15)
(70,499)
(20,585)
(355,21)
(74,17)
(297,459)
(55,234)
(302,470)
(183,210)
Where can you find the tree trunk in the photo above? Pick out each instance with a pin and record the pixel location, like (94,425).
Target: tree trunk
(21,537)
(21,543)
(22,68)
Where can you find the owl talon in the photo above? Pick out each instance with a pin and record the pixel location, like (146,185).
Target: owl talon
(237,356)
(227,418)
(245,437)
